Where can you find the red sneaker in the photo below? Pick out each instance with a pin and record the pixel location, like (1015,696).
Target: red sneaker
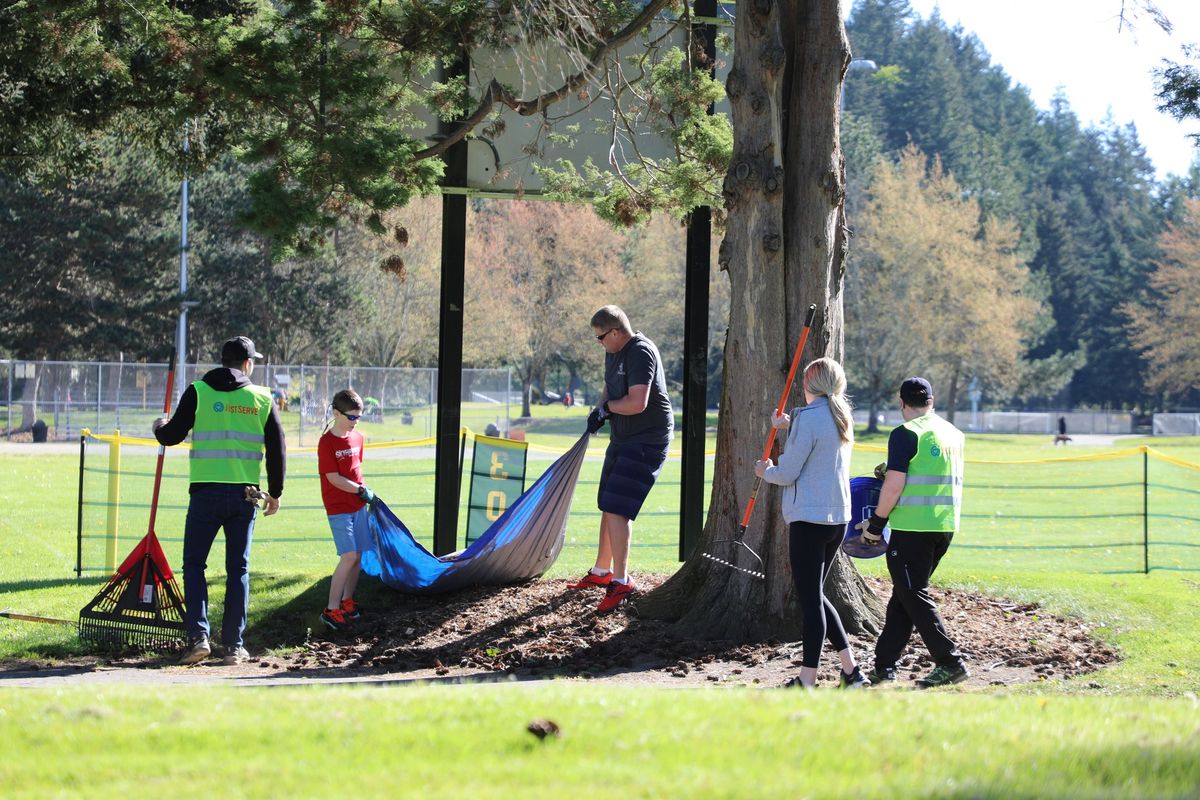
(351,610)
(335,619)
(616,594)
(591,579)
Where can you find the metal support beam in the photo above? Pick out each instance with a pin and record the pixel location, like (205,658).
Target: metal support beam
(695,380)
(450,344)
(695,340)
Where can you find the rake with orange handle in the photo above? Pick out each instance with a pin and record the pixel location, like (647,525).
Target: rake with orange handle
(737,541)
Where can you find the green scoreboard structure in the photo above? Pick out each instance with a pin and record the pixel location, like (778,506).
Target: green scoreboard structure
(497,478)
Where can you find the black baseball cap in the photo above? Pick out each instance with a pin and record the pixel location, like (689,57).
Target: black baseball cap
(916,392)
(238,349)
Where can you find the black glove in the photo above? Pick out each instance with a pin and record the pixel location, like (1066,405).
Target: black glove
(871,530)
(596,419)
(366,495)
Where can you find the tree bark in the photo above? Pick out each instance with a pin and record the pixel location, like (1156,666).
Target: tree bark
(784,249)
(951,396)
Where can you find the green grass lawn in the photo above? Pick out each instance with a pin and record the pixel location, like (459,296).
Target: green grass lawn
(470,741)
(1066,534)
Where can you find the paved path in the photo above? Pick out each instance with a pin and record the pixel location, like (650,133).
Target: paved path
(215,675)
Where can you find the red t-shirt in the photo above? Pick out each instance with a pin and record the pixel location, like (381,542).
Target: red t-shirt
(344,456)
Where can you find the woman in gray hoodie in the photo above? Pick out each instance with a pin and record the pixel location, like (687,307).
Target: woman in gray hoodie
(814,471)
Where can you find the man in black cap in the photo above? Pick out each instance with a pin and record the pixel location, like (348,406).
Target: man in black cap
(232,422)
(921,498)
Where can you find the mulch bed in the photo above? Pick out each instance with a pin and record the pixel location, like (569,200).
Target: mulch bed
(542,629)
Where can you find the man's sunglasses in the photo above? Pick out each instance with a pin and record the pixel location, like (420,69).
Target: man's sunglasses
(600,338)
(351,417)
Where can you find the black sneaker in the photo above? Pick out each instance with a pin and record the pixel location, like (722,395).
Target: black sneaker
(944,676)
(882,675)
(854,680)
(795,683)
(197,652)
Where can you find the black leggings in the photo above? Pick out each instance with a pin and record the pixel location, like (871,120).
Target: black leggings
(812,548)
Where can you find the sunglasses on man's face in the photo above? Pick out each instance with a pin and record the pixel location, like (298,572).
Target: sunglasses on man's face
(600,338)
(351,417)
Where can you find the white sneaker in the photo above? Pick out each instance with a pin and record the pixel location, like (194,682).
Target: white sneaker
(199,651)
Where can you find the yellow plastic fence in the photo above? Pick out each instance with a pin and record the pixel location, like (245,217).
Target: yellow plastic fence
(1124,510)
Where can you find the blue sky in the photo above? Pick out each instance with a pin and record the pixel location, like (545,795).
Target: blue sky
(1076,44)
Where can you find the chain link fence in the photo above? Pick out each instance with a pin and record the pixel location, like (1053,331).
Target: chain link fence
(401,403)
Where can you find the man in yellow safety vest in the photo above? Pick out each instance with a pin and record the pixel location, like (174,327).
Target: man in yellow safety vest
(232,422)
(921,499)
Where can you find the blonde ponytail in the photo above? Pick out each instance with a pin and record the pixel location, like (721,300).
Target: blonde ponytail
(825,378)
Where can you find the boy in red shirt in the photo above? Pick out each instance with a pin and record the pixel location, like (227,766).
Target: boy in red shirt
(347,502)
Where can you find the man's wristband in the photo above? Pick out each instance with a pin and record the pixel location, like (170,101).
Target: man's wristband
(877,523)
(607,411)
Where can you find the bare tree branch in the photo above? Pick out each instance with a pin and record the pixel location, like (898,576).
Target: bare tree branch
(497,93)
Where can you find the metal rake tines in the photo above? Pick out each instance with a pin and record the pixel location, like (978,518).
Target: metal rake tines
(123,633)
(752,573)
(759,573)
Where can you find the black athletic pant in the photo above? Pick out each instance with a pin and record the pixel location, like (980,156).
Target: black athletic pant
(812,548)
(912,556)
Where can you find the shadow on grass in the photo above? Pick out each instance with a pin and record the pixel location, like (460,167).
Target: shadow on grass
(290,624)
(282,625)
(50,583)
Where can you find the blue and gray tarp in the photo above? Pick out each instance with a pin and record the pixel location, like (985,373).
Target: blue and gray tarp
(522,544)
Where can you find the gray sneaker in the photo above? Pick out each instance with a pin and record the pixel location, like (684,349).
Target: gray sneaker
(235,656)
(944,676)
(199,651)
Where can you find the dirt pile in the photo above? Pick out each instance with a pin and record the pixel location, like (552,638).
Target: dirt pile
(543,629)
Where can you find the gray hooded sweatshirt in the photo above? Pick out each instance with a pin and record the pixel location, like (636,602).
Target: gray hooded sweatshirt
(814,468)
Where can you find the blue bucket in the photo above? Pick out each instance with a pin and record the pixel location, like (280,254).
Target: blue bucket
(864,496)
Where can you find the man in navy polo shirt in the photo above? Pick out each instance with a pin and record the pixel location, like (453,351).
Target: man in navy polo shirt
(636,405)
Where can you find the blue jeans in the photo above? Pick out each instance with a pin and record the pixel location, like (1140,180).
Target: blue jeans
(211,508)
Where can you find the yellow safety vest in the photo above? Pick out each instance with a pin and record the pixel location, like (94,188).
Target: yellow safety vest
(227,438)
(932,496)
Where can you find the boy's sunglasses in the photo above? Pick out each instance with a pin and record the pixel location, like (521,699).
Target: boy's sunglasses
(351,417)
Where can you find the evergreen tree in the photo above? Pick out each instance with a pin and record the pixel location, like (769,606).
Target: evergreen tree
(87,266)
(295,309)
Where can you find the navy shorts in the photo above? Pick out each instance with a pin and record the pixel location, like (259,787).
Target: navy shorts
(630,470)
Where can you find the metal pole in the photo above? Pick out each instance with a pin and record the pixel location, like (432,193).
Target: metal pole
(181,333)
(857,65)
(303,408)
(697,258)
(79,510)
(120,375)
(450,335)
(1145,510)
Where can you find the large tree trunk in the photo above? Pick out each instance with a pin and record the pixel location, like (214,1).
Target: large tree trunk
(783,249)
